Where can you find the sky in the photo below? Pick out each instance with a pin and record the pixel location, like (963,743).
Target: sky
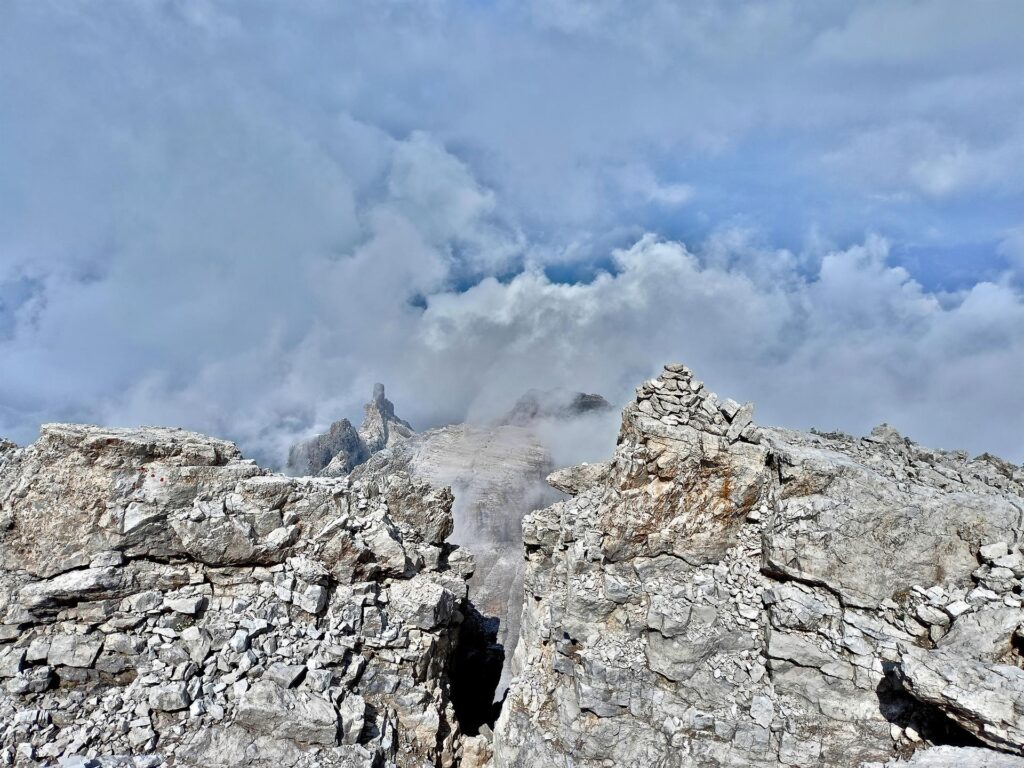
(235,216)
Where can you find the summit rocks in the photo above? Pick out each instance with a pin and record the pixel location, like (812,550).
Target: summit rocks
(722,593)
(162,599)
(717,593)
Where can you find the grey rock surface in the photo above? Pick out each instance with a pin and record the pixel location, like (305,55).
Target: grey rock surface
(954,757)
(162,599)
(984,698)
(726,594)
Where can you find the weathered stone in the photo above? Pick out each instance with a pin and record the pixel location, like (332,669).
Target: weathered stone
(186,605)
(983,698)
(269,709)
(285,675)
(993,551)
(170,697)
(954,757)
(352,717)
(731,595)
(11,661)
(423,603)
(73,650)
(199,643)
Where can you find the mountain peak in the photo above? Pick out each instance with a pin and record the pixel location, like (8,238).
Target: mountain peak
(343,447)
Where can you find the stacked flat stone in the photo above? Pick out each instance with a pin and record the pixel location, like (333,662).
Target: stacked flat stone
(676,398)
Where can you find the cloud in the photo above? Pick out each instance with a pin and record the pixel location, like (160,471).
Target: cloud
(916,157)
(237,218)
(1011,247)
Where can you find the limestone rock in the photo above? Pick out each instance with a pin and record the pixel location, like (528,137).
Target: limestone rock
(163,599)
(169,697)
(984,698)
(269,709)
(722,593)
(574,480)
(954,757)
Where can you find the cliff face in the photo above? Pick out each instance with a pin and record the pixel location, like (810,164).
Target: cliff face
(732,595)
(160,596)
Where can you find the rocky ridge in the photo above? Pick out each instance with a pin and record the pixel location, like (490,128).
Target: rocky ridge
(721,593)
(163,599)
(718,593)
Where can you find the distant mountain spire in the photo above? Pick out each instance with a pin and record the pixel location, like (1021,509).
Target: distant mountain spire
(343,447)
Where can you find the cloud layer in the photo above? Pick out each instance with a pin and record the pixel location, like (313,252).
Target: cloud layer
(236,217)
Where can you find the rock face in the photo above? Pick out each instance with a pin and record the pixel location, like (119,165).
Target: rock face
(731,595)
(380,427)
(161,596)
(343,447)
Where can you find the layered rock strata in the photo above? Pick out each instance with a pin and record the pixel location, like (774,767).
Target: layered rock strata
(163,599)
(724,594)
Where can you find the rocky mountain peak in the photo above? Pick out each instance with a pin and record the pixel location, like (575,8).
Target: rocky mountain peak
(343,447)
(724,593)
(381,427)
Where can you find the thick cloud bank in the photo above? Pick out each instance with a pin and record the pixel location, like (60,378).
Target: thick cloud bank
(236,218)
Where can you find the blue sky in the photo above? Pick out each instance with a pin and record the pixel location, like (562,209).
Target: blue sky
(235,216)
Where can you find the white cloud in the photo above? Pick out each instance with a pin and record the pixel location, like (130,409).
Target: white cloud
(916,156)
(237,218)
(855,343)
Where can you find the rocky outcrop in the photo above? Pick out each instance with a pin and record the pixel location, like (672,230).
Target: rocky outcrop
(553,404)
(339,450)
(380,427)
(164,599)
(725,594)
(339,447)
(985,699)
